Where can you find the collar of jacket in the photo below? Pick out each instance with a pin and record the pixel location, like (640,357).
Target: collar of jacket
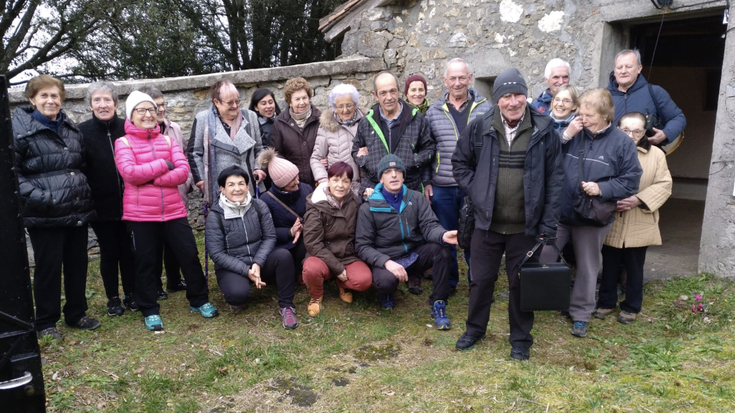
(319,199)
(330,124)
(133,130)
(33,126)
(541,123)
(286,197)
(107,124)
(285,117)
(379,204)
(545,96)
(640,83)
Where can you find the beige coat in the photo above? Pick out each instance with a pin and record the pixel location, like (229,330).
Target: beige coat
(639,227)
(334,142)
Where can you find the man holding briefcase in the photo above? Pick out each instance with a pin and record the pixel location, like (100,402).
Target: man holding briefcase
(511,167)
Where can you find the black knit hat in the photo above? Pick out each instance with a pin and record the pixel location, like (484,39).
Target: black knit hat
(510,81)
(390,161)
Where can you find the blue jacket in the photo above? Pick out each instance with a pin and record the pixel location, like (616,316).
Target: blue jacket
(638,99)
(543,102)
(283,219)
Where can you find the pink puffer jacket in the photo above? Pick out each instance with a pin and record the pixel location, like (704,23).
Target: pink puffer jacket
(151,190)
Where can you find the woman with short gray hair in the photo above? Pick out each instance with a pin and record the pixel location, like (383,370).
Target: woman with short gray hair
(337,129)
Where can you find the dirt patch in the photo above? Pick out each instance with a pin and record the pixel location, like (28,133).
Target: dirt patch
(300,395)
(378,352)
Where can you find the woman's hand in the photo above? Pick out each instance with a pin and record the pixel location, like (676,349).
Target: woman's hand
(324,162)
(296,229)
(343,275)
(591,188)
(628,203)
(254,276)
(259,175)
(368,192)
(574,127)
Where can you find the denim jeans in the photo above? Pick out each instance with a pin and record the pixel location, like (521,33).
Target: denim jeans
(446,203)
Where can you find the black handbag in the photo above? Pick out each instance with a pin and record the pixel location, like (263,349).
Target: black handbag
(544,287)
(591,209)
(466,224)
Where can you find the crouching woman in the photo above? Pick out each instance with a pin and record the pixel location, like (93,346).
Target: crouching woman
(240,237)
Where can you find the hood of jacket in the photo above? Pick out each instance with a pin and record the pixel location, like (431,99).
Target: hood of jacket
(328,122)
(612,86)
(132,130)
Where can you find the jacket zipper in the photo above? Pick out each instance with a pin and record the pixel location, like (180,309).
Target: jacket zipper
(153,149)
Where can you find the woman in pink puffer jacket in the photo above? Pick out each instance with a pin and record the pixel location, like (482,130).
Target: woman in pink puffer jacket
(153,166)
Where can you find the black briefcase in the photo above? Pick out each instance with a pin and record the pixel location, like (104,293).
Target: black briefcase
(544,287)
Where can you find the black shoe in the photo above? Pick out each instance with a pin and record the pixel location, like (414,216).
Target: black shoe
(161,295)
(85,323)
(130,303)
(452,290)
(51,331)
(414,285)
(180,286)
(114,307)
(520,353)
(467,341)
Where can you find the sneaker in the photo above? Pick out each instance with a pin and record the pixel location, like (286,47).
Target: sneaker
(130,303)
(579,329)
(161,295)
(207,310)
(467,341)
(114,307)
(85,323)
(601,313)
(439,314)
(237,307)
(520,353)
(315,307)
(345,295)
(414,285)
(51,331)
(626,317)
(180,286)
(386,301)
(154,322)
(288,317)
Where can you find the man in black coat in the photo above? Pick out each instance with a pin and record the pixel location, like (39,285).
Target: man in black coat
(511,168)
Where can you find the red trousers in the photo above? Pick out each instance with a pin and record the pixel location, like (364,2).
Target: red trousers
(315,272)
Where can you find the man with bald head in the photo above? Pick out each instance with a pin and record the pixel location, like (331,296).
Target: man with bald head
(555,75)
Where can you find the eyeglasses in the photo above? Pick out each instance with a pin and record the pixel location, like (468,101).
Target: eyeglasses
(348,106)
(143,111)
(230,103)
(635,132)
(564,101)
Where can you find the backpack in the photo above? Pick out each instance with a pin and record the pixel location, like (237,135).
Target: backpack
(467,212)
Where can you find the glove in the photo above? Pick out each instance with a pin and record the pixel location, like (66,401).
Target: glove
(170,165)
(546,240)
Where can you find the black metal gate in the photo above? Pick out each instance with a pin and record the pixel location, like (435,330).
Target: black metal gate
(21,379)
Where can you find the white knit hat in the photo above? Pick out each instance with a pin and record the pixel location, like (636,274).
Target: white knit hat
(135,99)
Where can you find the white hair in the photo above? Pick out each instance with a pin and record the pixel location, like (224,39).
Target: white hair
(457,60)
(343,89)
(553,64)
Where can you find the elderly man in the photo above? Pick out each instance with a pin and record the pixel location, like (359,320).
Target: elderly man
(509,162)
(448,117)
(632,93)
(555,75)
(398,236)
(392,126)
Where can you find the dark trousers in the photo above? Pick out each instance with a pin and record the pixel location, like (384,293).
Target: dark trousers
(148,239)
(278,270)
(633,259)
(52,249)
(446,203)
(487,250)
(430,255)
(168,261)
(115,252)
(298,254)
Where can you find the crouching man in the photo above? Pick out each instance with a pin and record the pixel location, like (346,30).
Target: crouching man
(399,237)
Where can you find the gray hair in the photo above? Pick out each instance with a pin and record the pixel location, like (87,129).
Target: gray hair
(102,86)
(151,91)
(636,52)
(553,64)
(344,89)
(375,88)
(457,60)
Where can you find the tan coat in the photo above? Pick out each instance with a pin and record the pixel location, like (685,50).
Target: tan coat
(639,227)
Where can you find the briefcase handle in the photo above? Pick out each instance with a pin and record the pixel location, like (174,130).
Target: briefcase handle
(529,254)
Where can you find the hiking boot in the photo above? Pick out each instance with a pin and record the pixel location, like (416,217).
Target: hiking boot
(414,285)
(207,310)
(467,341)
(315,307)
(130,303)
(386,301)
(579,329)
(626,317)
(114,307)
(601,313)
(154,322)
(439,314)
(51,331)
(520,353)
(161,295)
(85,323)
(288,317)
(345,295)
(179,286)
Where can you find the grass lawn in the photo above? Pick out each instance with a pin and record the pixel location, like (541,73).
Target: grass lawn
(357,358)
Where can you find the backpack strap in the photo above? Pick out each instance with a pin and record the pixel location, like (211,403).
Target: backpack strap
(479,128)
(168,139)
(125,141)
(283,205)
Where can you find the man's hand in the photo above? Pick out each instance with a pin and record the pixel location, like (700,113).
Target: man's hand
(259,175)
(254,275)
(200,185)
(343,275)
(397,270)
(658,137)
(428,192)
(591,188)
(324,162)
(296,230)
(368,192)
(450,237)
(362,152)
(628,203)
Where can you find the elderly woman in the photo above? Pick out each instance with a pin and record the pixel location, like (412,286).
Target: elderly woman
(564,109)
(415,91)
(287,202)
(610,172)
(636,226)
(329,236)
(222,136)
(153,166)
(241,240)
(294,132)
(57,204)
(337,128)
(100,134)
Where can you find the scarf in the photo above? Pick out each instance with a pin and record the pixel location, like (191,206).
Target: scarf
(562,123)
(300,118)
(230,129)
(47,122)
(262,120)
(331,199)
(235,209)
(345,122)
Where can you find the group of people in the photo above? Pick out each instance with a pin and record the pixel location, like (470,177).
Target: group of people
(368,197)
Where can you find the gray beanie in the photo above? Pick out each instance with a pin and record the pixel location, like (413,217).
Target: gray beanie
(390,161)
(510,81)
(135,99)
